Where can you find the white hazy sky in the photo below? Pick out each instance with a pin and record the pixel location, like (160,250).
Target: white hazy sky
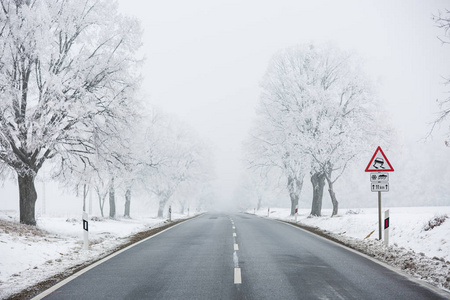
(205,59)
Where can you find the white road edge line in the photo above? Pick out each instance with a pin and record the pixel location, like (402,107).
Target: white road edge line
(394,269)
(236,247)
(234,233)
(67,280)
(237,276)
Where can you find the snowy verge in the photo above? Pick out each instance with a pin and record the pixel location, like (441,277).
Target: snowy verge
(31,255)
(416,248)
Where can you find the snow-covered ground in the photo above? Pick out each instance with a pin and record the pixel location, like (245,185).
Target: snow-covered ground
(29,255)
(414,247)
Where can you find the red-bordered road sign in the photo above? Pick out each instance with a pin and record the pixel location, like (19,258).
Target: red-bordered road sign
(379,162)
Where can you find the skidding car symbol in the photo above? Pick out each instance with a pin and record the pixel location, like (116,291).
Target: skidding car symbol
(378,161)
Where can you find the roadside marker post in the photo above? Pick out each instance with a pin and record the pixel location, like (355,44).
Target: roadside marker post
(170,213)
(268,212)
(386,227)
(85,231)
(296,213)
(379,179)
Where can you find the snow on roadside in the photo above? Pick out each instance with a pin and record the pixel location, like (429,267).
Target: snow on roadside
(29,255)
(424,254)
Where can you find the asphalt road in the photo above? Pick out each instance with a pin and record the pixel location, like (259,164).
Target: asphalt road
(240,256)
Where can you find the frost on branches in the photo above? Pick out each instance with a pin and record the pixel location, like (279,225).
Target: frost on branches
(442,20)
(65,68)
(316,113)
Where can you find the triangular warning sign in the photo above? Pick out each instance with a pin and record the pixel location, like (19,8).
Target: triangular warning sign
(379,162)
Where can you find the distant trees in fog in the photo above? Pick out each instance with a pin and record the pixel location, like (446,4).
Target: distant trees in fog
(180,159)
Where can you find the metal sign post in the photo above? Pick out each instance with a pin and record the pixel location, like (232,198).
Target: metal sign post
(379,179)
(379,216)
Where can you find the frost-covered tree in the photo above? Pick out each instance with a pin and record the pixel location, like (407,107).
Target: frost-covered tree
(141,163)
(65,67)
(271,147)
(339,113)
(179,155)
(318,112)
(115,156)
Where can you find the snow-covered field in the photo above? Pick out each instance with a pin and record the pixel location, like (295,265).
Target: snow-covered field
(414,247)
(29,255)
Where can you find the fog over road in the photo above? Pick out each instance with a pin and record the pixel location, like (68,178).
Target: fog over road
(239,256)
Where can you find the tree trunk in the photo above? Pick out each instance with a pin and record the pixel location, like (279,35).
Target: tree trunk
(101,201)
(318,183)
(27,199)
(112,200)
(127,203)
(333,197)
(294,187)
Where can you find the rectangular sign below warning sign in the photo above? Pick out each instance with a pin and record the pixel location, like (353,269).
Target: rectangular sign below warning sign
(380,187)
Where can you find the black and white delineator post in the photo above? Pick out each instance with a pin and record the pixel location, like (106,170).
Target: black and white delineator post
(85,231)
(386,227)
(268,212)
(379,179)
(170,213)
(296,212)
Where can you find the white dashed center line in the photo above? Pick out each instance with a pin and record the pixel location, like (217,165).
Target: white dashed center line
(237,276)
(237,270)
